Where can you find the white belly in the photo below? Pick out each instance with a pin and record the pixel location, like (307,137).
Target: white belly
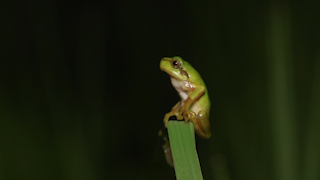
(178,85)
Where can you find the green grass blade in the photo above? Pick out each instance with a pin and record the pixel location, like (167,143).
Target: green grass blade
(184,153)
(282,98)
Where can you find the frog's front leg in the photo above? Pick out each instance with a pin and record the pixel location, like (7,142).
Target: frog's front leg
(175,111)
(196,92)
(185,110)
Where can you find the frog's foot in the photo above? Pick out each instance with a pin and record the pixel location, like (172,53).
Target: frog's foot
(185,110)
(189,116)
(169,114)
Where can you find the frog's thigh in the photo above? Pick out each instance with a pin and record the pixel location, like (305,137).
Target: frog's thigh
(202,125)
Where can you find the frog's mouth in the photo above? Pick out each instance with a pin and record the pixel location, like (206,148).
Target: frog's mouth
(172,75)
(163,60)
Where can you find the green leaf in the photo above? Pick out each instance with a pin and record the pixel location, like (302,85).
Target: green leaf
(184,153)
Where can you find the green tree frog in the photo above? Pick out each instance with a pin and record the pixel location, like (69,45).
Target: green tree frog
(194,104)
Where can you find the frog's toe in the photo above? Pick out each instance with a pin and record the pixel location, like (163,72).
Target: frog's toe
(171,113)
(166,119)
(179,117)
(189,115)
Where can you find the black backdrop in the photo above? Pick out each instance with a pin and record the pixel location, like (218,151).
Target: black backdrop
(82,96)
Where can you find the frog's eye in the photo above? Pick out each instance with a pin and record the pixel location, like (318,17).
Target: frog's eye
(175,63)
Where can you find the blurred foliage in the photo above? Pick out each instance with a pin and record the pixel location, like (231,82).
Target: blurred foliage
(82,96)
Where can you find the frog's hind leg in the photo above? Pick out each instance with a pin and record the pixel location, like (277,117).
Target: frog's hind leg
(202,124)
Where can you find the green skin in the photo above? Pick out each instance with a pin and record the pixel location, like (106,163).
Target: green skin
(195,104)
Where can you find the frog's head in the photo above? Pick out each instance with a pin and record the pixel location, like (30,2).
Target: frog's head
(174,67)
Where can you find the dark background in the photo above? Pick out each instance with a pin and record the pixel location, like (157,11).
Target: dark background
(82,95)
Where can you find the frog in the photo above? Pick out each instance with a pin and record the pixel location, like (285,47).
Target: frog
(194,104)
